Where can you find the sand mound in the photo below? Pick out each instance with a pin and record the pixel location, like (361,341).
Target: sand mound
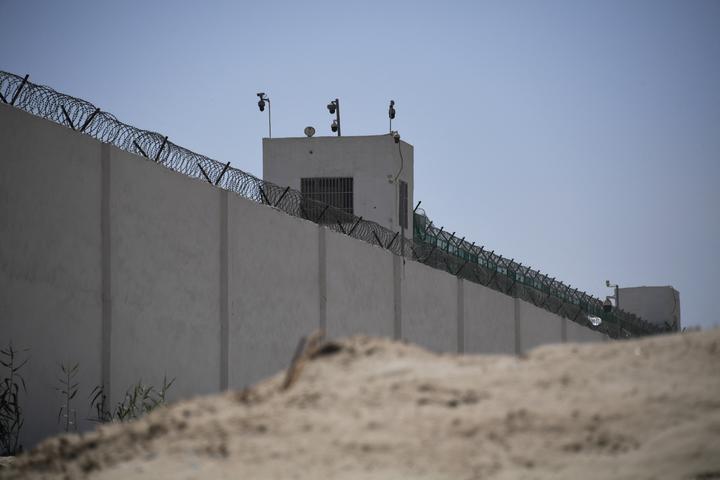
(372,408)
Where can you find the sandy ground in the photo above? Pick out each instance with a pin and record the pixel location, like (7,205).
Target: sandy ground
(647,409)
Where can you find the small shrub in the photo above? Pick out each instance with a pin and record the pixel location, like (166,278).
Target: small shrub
(98,403)
(11,415)
(138,400)
(68,387)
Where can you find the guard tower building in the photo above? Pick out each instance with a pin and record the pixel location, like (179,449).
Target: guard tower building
(368,176)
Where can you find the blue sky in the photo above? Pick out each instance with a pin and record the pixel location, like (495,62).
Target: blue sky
(581,138)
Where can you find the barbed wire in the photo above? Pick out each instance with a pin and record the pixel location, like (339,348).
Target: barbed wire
(429,245)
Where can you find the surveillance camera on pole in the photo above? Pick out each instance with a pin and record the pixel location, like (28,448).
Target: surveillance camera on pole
(261,105)
(334,109)
(391,113)
(615,297)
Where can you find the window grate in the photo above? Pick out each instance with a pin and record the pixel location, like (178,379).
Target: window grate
(403,214)
(334,191)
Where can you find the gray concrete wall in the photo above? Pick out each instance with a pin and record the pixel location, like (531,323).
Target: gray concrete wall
(50,245)
(657,305)
(360,295)
(489,320)
(164,266)
(274,288)
(427,295)
(578,334)
(134,271)
(537,326)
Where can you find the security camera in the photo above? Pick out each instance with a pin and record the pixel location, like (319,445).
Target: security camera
(261,102)
(334,125)
(396,136)
(331,108)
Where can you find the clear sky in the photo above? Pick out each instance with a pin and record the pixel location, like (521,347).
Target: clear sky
(581,138)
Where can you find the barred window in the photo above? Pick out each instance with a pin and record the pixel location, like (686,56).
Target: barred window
(335,191)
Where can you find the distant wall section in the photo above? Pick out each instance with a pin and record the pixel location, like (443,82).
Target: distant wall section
(658,305)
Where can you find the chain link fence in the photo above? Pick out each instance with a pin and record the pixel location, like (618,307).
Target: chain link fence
(429,245)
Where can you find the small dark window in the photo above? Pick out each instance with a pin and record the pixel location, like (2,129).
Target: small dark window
(403,214)
(334,191)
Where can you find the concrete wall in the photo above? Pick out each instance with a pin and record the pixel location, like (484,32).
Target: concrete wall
(537,326)
(355,303)
(427,295)
(273,289)
(489,320)
(371,160)
(164,265)
(658,305)
(134,271)
(50,247)
(578,334)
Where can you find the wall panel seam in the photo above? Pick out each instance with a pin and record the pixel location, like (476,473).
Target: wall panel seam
(460,315)
(106,269)
(224,291)
(322,278)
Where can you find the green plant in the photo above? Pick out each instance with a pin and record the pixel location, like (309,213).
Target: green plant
(138,400)
(98,402)
(68,387)
(11,415)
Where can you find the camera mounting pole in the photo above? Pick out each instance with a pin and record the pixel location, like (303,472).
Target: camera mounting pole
(334,108)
